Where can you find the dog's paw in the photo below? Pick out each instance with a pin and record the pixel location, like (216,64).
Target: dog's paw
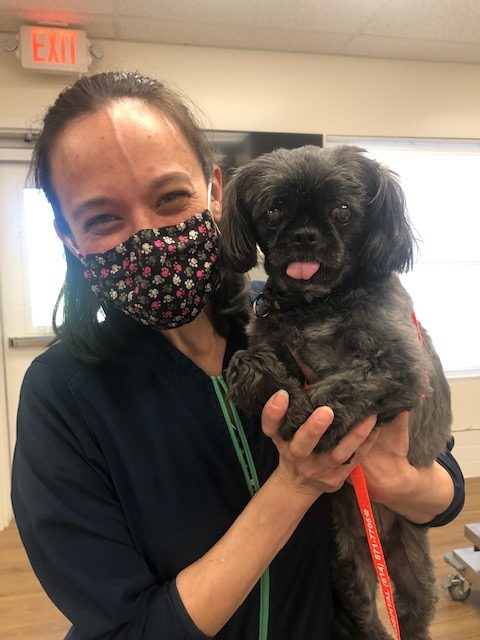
(299,410)
(250,381)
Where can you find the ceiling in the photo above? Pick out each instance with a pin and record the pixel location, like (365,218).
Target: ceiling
(434,30)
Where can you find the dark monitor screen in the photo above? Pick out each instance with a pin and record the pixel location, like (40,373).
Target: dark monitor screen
(234,148)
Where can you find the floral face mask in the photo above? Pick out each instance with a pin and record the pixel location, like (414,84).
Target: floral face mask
(160,277)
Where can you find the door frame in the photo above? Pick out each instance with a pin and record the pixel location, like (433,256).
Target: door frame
(15,147)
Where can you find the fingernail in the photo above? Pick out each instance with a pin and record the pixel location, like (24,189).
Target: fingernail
(323,414)
(278,398)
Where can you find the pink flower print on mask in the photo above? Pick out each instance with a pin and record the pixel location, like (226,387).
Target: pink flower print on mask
(104,272)
(159,244)
(177,267)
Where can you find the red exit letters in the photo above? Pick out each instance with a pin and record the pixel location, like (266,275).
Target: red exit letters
(54,49)
(53,46)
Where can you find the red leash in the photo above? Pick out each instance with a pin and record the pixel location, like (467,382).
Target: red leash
(359,484)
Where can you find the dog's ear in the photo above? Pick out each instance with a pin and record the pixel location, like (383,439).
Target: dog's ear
(390,243)
(238,249)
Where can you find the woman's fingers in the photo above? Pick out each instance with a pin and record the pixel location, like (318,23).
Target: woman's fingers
(308,435)
(273,413)
(299,465)
(356,443)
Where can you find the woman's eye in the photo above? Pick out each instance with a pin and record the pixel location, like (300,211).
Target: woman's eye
(342,214)
(97,222)
(173,196)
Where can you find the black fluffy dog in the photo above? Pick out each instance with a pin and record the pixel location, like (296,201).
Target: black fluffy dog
(332,226)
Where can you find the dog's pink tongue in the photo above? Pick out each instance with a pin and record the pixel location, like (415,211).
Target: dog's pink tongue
(302,270)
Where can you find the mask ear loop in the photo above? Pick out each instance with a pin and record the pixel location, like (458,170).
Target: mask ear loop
(209,194)
(67,242)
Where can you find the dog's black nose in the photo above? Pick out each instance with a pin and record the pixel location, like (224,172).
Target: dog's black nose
(305,237)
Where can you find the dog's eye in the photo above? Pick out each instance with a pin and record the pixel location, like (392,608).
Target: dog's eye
(342,214)
(275,212)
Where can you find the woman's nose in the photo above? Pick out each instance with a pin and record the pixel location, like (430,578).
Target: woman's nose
(144,218)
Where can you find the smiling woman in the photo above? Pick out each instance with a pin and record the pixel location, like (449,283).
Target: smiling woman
(147,504)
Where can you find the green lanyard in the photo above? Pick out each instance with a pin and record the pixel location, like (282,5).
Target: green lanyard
(247,464)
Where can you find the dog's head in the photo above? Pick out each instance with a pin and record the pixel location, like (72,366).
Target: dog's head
(320,216)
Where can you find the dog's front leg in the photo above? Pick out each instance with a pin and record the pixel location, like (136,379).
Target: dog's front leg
(254,376)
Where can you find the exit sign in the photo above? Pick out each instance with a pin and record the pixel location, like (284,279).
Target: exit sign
(54,49)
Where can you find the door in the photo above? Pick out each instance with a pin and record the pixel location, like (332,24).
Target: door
(22,336)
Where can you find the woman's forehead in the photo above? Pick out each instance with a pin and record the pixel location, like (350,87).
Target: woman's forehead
(128,132)
(122,121)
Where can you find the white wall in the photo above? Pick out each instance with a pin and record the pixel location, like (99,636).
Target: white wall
(252,90)
(277,92)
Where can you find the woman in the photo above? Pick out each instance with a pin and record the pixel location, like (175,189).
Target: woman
(132,496)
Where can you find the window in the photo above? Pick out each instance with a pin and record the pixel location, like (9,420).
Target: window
(440,181)
(45,261)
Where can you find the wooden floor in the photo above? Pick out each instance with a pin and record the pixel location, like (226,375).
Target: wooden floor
(27,614)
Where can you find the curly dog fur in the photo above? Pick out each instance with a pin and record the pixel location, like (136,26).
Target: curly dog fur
(333,228)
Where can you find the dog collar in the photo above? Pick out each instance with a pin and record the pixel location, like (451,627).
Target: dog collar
(270,301)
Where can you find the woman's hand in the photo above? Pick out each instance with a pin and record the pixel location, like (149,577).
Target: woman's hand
(299,466)
(388,472)
(418,494)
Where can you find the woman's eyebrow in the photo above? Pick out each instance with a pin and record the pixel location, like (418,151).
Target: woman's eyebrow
(99,201)
(172,176)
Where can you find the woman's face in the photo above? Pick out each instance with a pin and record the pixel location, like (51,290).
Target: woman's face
(123,169)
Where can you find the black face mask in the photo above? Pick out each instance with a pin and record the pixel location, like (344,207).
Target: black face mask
(160,277)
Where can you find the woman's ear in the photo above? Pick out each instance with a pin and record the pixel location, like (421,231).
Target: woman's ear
(216,194)
(67,240)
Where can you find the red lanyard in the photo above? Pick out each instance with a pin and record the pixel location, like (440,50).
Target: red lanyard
(359,484)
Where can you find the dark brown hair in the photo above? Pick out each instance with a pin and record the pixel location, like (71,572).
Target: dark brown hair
(87,337)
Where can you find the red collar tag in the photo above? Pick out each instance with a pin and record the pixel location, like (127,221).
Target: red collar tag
(359,484)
